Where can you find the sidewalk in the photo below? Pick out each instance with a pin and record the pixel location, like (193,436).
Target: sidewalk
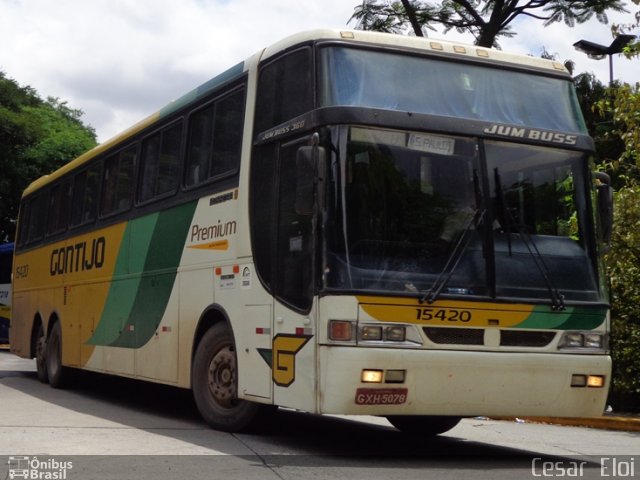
(609,421)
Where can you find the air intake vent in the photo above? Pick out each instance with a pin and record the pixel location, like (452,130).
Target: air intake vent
(519,338)
(475,336)
(455,336)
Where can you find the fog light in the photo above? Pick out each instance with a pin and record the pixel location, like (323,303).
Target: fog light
(341,330)
(371,332)
(395,334)
(394,376)
(371,376)
(595,381)
(578,380)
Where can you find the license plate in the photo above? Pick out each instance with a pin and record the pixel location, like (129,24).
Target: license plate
(381,396)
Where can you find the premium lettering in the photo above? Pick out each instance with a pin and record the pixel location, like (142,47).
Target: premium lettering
(200,234)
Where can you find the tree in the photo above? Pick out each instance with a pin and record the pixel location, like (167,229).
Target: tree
(486,20)
(623,262)
(36,137)
(621,105)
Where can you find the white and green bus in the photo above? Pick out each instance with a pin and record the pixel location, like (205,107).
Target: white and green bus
(345,223)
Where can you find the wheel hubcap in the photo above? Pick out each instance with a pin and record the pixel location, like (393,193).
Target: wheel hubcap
(222,377)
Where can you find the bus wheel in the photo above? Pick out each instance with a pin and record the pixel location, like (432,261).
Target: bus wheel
(56,373)
(41,356)
(423,424)
(215,383)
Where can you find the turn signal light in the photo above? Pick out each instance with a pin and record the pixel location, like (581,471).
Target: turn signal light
(591,381)
(595,381)
(340,330)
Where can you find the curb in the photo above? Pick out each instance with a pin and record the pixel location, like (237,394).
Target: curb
(605,422)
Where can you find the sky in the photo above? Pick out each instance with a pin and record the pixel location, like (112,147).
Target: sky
(121,60)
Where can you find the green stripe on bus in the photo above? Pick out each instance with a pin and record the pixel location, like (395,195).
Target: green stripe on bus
(123,290)
(542,317)
(148,260)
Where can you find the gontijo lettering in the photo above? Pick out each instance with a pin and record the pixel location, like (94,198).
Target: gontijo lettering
(79,257)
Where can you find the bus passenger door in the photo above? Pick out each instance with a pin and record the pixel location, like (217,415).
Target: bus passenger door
(293,342)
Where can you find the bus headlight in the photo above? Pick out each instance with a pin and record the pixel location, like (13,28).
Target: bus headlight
(583,340)
(593,340)
(371,333)
(382,333)
(388,334)
(395,334)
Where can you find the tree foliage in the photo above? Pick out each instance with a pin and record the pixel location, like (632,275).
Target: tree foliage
(620,106)
(623,263)
(486,20)
(36,137)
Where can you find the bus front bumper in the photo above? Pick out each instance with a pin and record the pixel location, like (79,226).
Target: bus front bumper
(445,382)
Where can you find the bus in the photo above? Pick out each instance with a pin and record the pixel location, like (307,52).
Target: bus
(346,222)
(6,259)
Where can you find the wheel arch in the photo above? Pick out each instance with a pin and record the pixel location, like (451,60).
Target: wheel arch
(35,327)
(211,316)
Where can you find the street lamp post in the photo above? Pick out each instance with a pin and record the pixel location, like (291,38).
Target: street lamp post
(598,52)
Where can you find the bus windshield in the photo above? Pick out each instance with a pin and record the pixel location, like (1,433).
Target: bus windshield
(357,77)
(414,213)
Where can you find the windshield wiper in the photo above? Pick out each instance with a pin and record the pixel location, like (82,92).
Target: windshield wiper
(458,252)
(557,299)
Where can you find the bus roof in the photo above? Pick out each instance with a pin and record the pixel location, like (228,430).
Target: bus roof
(455,49)
(445,48)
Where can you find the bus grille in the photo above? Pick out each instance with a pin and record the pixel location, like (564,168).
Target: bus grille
(519,338)
(475,336)
(455,336)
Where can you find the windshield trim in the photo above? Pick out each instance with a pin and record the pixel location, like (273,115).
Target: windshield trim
(436,124)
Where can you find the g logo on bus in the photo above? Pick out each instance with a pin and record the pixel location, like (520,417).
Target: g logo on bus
(285,348)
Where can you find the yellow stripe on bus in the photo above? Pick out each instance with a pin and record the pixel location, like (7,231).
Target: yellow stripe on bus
(445,313)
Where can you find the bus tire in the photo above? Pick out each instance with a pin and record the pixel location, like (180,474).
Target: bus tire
(56,373)
(215,383)
(41,356)
(427,425)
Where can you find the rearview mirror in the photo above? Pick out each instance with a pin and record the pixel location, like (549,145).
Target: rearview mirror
(308,162)
(605,205)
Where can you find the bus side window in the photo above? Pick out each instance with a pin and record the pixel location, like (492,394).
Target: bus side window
(117,183)
(227,134)
(215,139)
(160,160)
(85,196)
(59,208)
(33,220)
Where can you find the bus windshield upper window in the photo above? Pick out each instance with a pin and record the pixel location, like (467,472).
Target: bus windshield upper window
(453,89)
(285,89)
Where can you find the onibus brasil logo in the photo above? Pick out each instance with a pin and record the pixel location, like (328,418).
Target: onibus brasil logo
(32,468)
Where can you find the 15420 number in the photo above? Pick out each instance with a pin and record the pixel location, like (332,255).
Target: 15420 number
(443,315)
